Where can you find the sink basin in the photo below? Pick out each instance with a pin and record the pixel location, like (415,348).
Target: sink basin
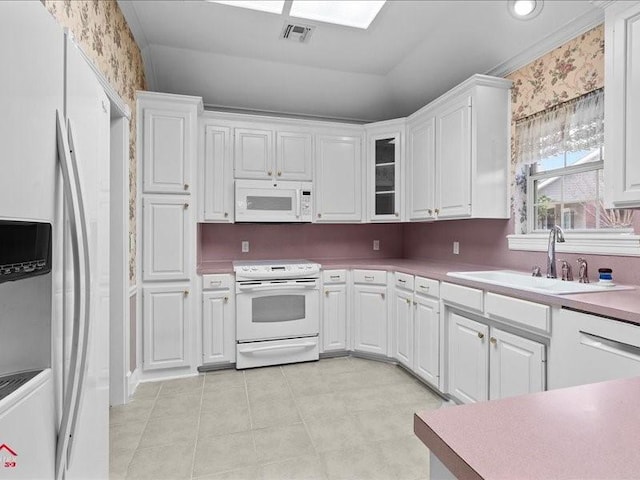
(523,281)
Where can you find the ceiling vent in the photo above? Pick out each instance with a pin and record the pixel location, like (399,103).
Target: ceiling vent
(297,33)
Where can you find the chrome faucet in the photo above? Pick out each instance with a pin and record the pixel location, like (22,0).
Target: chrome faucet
(556,234)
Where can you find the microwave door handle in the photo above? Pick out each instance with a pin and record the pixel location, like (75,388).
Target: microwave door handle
(86,298)
(68,403)
(298,193)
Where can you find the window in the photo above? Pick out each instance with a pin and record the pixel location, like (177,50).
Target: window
(560,152)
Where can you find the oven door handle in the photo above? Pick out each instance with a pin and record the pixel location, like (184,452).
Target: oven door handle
(278,347)
(279,286)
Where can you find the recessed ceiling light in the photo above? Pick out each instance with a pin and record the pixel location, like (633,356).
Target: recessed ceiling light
(351,13)
(524,9)
(270,6)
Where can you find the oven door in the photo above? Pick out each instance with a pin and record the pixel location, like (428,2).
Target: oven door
(273,309)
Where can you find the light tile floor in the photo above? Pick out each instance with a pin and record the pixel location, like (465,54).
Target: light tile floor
(339,418)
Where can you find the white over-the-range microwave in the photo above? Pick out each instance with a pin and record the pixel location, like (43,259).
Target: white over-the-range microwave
(273,201)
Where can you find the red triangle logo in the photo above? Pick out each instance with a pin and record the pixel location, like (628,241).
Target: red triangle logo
(6,447)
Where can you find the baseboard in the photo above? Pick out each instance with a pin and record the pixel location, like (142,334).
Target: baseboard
(335,354)
(373,356)
(133,380)
(435,390)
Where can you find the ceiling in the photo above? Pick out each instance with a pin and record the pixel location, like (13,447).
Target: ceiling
(413,52)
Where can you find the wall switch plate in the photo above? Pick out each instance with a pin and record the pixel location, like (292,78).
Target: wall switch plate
(245,246)
(376,244)
(456,248)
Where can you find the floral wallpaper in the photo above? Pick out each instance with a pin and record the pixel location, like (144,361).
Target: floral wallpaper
(103,33)
(569,71)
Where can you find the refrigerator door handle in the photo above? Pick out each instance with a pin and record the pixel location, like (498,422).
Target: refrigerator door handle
(70,392)
(85,318)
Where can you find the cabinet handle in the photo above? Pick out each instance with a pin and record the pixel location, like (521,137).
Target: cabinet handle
(368,278)
(397,214)
(415,304)
(430,211)
(382,295)
(186,186)
(186,293)
(279,174)
(480,335)
(408,302)
(326,292)
(424,287)
(269,172)
(319,215)
(402,281)
(226,299)
(437,210)
(334,277)
(215,283)
(493,341)
(226,214)
(186,205)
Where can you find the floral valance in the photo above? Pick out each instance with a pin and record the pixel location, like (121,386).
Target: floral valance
(568,127)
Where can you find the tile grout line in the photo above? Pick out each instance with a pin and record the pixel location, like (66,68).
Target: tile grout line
(195,444)
(253,437)
(146,423)
(304,424)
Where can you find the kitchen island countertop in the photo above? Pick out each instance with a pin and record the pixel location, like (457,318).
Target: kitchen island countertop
(587,432)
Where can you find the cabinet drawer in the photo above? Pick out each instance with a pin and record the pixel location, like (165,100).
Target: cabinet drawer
(516,311)
(427,286)
(375,277)
(217,281)
(334,276)
(465,296)
(404,280)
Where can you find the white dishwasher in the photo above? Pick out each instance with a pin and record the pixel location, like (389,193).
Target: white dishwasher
(587,348)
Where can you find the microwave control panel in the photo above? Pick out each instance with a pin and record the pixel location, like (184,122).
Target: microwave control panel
(305,204)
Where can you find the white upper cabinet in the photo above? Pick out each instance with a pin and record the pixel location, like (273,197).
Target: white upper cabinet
(253,153)
(458,153)
(384,164)
(622,104)
(217,180)
(294,154)
(421,169)
(258,157)
(453,151)
(338,179)
(169,139)
(166,240)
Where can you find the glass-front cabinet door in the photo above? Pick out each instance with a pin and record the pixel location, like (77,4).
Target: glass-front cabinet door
(384,176)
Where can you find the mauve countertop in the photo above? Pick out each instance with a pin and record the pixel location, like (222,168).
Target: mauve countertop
(586,432)
(619,304)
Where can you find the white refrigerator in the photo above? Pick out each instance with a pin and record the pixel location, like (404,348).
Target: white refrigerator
(54,168)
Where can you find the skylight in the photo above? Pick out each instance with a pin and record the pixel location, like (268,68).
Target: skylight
(270,6)
(351,13)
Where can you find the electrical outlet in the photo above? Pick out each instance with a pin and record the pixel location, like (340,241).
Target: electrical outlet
(376,244)
(245,246)
(456,248)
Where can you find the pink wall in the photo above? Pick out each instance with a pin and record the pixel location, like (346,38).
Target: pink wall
(223,242)
(484,242)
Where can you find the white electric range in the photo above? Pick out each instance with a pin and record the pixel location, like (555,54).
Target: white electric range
(277,312)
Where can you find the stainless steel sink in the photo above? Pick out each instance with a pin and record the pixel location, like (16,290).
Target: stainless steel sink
(523,281)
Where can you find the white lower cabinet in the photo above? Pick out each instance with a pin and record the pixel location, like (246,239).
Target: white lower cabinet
(218,327)
(517,365)
(166,327)
(334,318)
(488,363)
(403,331)
(370,318)
(426,357)
(468,360)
